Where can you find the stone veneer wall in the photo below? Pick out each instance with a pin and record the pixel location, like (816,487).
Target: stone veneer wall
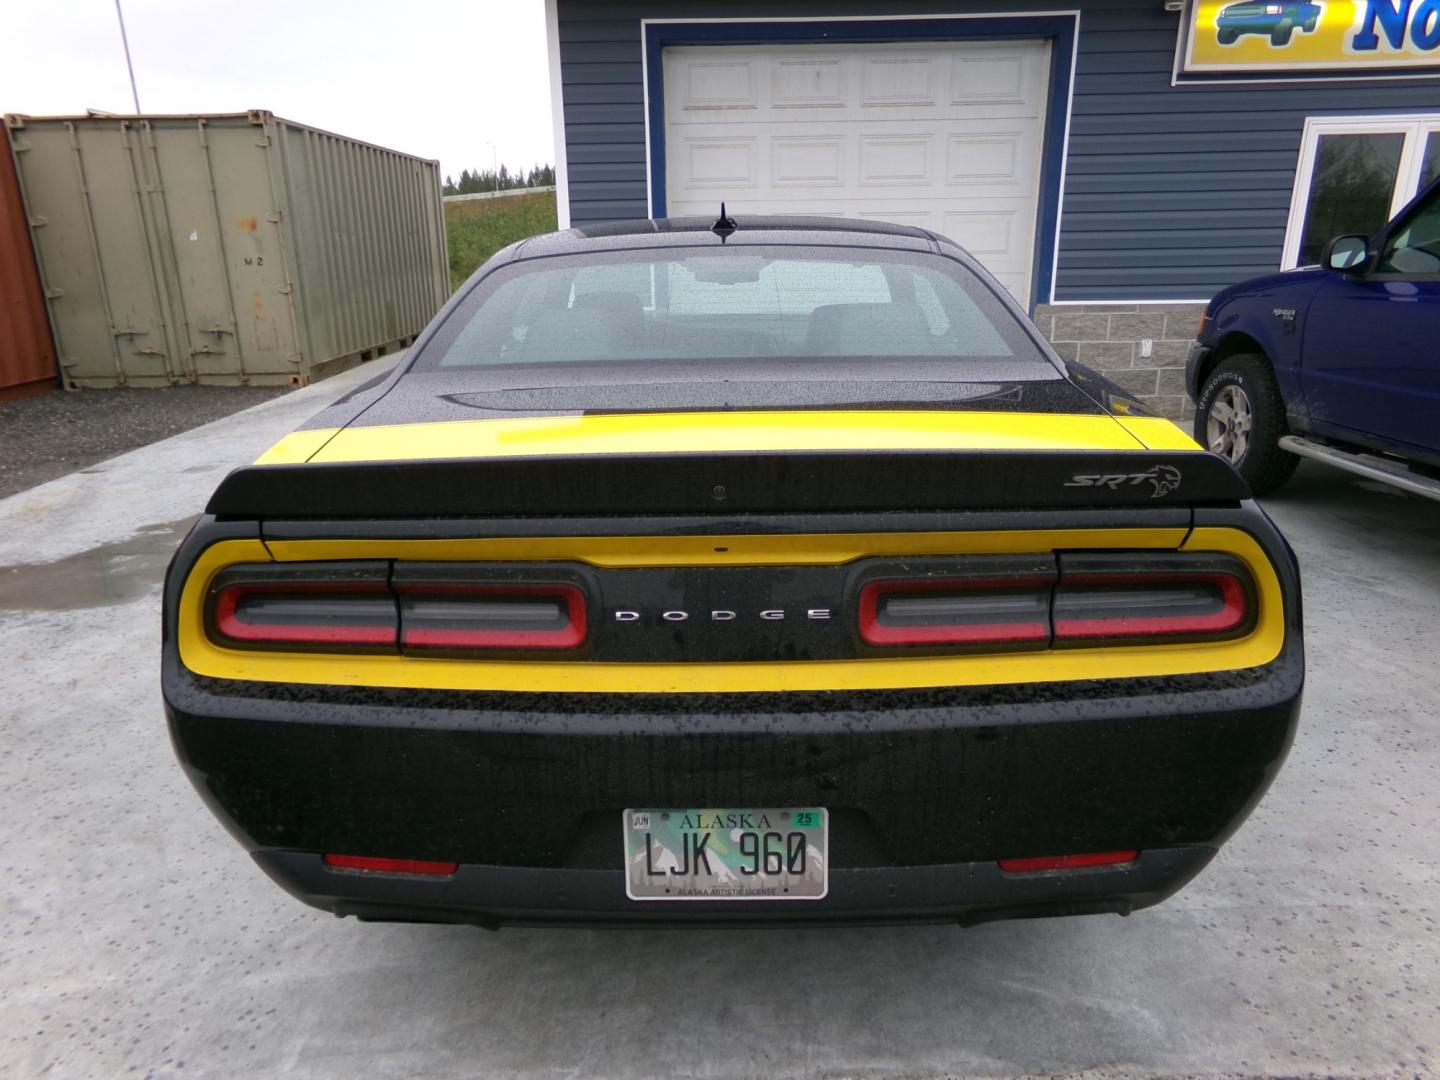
(1110,338)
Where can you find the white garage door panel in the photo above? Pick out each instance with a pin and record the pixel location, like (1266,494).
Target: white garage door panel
(947,137)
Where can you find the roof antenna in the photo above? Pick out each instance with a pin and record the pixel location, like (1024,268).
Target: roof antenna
(724,226)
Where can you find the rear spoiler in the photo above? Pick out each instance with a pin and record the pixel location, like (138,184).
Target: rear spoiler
(728,483)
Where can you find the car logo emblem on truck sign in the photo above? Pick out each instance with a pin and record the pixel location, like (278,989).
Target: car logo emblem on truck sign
(1163,480)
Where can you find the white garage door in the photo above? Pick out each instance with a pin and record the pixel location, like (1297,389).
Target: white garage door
(943,136)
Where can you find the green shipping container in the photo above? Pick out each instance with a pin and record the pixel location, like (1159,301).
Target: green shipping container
(225,249)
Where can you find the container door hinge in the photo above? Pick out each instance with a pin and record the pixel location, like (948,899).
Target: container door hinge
(217,330)
(206,350)
(273,218)
(286,289)
(149,352)
(54,293)
(38,222)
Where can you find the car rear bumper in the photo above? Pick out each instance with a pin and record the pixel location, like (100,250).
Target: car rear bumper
(926,789)
(494,896)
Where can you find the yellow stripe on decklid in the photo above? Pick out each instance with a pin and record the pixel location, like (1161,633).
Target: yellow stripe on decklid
(722,432)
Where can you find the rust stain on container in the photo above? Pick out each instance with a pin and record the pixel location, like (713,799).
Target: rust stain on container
(27,350)
(249,224)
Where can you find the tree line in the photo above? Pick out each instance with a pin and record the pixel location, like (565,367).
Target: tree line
(474,181)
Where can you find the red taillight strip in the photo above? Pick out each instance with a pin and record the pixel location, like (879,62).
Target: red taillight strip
(1233,613)
(569,636)
(229,624)
(874,632)
(378,865)
(1067,862)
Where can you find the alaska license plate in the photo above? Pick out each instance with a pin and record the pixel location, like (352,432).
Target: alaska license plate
(727,854)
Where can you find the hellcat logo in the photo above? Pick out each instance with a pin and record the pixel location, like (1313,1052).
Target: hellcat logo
(1163,479)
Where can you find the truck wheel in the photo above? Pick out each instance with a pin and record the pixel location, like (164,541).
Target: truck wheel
(1241,416)
(1227,37)
(1281,34)
(1310,25)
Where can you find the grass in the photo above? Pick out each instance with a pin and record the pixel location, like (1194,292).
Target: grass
(477,228)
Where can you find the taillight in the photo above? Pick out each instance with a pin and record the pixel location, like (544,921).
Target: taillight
(991,603)
(319,606)
(437,609)
(1104,599)
(953,612)
(439,613)
(982,602)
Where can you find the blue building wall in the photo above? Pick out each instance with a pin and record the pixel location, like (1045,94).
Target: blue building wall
(1170,192)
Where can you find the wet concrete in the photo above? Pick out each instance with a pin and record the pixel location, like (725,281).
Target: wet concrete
(139,940)
(109,574)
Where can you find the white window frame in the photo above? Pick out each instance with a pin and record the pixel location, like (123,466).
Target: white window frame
(1415,127)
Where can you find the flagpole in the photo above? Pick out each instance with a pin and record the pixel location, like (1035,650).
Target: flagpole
(125,40)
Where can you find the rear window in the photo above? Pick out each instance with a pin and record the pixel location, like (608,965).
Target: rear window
(728,304)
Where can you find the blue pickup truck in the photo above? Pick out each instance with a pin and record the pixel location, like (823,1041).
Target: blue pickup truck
(1277,19)
(1338,362)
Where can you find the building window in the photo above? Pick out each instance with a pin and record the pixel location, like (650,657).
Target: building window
(1355,173)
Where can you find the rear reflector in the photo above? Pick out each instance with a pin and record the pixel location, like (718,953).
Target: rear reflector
(375,864)
(1067,862)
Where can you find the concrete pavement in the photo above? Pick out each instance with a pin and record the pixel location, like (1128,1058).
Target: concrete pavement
(139,940)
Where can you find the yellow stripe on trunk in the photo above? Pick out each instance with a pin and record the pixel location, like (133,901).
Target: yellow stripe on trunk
(727,432)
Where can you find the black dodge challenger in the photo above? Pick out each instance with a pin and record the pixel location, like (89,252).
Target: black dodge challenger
(732,572)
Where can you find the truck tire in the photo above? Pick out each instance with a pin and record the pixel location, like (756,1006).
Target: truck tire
(1227,37)
(1281,34)
(1240,416)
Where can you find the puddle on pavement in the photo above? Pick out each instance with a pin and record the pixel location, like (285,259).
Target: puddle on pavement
(101,577)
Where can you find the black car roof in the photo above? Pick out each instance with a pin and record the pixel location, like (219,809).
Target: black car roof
(749,229)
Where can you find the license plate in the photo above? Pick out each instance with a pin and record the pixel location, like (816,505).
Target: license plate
(727,854)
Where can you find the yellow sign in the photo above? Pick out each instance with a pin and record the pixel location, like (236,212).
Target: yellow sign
(1313,35)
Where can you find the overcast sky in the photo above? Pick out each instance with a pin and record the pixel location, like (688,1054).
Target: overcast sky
(439,78)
